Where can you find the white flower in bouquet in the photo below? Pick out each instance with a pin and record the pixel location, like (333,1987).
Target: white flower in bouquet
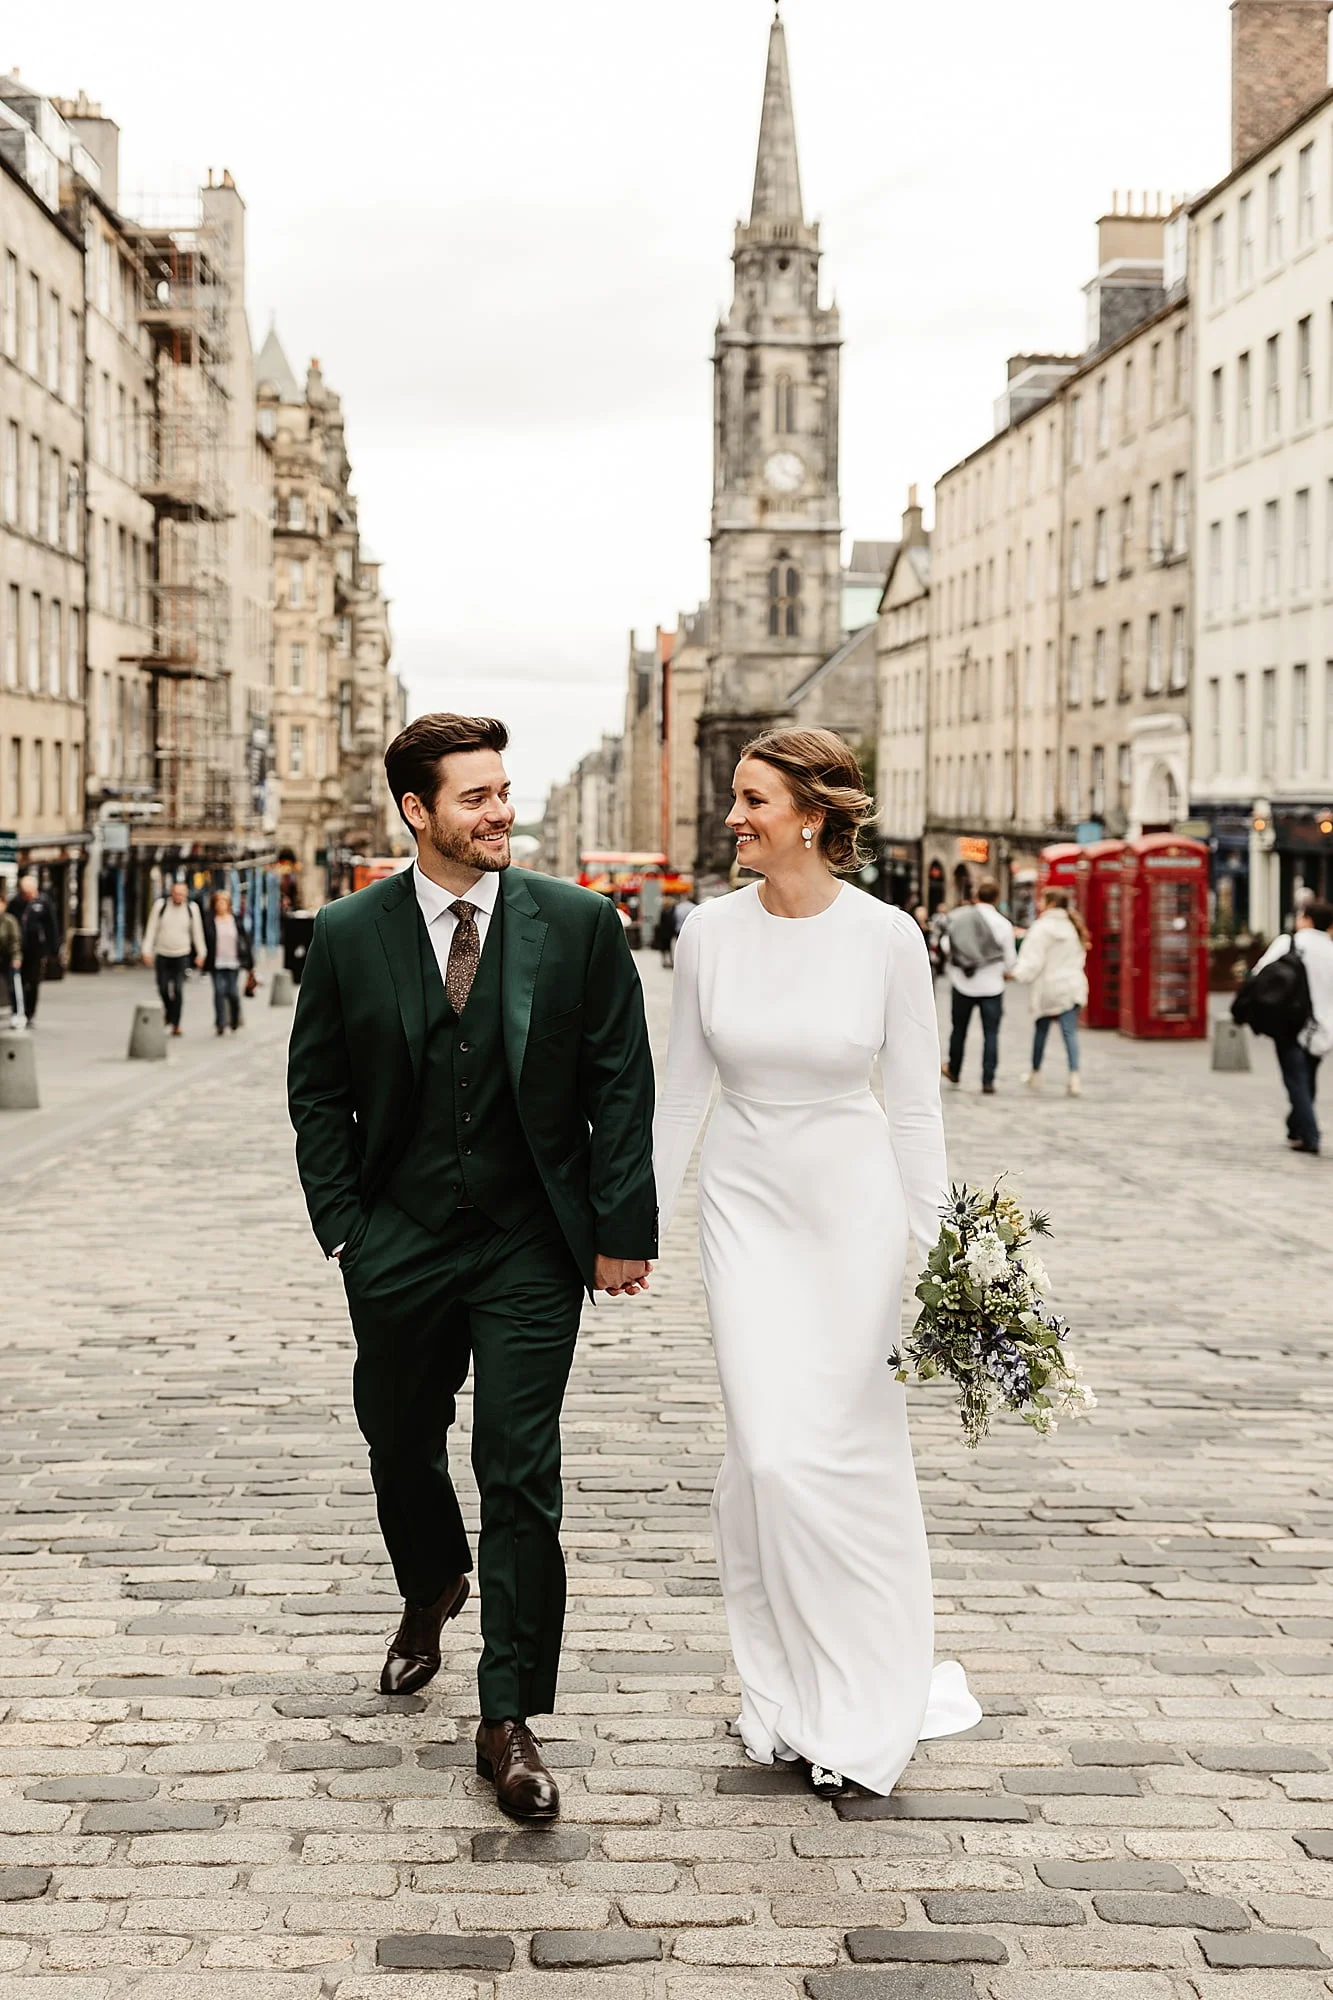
(985,1324)
(987,1259)
(1037,1275)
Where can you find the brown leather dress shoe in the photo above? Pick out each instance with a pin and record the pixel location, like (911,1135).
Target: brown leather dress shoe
(414,1656)
(510,1756)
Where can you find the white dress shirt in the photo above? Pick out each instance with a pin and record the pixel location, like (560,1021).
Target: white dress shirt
(440,921)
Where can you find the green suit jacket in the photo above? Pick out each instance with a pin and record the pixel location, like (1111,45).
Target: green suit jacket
(575,1042)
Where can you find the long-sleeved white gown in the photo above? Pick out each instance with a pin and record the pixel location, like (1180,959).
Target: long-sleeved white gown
(807,1192)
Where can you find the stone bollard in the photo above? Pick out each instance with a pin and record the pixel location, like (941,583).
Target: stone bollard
(148,1035)
(18,1073)
(1230,1049)
(282,992)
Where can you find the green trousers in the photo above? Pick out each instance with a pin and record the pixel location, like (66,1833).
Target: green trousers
(422,1306)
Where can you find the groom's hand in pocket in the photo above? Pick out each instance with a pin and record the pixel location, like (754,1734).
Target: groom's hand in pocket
(620,1277)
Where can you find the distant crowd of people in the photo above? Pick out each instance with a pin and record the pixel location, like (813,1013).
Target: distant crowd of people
(29,936)
(180,933)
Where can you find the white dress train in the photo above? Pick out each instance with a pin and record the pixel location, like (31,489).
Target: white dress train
(806,1195)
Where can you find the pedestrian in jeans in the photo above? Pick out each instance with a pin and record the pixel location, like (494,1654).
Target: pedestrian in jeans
(978,947)
(228,953)
(1299,1056)
(173,940)
(1052,963)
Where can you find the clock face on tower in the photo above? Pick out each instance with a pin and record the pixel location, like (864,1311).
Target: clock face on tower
(784,472)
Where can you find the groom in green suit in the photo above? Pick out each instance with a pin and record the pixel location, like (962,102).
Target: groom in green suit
(472,1090)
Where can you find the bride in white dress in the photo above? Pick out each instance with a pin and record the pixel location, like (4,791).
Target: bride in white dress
(786,992)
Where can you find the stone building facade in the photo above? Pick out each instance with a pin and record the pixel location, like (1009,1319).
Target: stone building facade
(682,705)
(1060,568)
(1262,252)
(121,776)
(991,781)
(42,574)
(335,703)
(1127,642)
(902,659)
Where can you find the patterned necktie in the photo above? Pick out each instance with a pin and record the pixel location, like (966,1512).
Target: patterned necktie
(464,956)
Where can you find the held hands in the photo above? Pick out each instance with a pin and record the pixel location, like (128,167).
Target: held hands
(620,1277)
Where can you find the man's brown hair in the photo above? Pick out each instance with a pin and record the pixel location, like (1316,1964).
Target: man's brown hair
(988,891)
(412,760)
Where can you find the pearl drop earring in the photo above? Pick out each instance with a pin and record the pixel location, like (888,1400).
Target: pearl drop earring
(807,837)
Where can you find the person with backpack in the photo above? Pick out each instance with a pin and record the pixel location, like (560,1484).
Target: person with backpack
(1289,997)
(978,946)
(173,940)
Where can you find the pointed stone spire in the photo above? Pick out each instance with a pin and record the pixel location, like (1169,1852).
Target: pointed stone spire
(777,175)
(272,365)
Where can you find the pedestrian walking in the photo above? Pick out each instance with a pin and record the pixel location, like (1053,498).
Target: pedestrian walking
(1300,1054)
(11,955)
(977,944)
(228,952)
(1052,963)
(664,933)
(472,1090)
(921,918)
(36,916)
(173,941)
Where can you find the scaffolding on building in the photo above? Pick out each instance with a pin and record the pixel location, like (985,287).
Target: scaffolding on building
(185,311)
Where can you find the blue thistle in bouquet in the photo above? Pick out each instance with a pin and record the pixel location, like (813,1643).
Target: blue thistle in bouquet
(985,1322)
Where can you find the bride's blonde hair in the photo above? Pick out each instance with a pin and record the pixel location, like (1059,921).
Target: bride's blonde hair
(823,776)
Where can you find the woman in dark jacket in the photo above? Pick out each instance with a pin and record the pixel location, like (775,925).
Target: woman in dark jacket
(228,952)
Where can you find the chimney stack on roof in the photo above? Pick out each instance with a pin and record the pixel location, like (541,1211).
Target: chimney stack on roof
(1279,68)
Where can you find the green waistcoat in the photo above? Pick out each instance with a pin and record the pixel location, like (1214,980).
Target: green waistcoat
(466,1137)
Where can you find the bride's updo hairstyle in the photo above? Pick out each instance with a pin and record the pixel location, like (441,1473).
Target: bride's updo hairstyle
(821,773)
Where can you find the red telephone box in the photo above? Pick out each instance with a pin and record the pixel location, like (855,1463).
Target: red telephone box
(1057,868)
(1100,895)
(1164,938)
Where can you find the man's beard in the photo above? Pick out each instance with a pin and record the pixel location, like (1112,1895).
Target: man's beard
(451,845)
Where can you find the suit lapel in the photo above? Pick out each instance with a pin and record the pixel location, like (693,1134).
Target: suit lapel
(397,924)
(523,940)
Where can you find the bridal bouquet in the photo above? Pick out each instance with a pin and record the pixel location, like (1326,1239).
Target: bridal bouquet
(984,1320)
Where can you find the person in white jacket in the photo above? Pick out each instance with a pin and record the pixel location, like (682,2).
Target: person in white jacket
(1052,963)
(1300,1057)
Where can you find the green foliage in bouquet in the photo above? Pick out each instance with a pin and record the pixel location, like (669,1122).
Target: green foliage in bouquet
(985,1324)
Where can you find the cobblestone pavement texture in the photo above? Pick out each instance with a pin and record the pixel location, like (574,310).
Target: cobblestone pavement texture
(203,1798)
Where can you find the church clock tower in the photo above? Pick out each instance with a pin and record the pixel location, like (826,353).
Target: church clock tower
(775,597)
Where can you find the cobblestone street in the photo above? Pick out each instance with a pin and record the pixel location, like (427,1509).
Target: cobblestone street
(203,1798)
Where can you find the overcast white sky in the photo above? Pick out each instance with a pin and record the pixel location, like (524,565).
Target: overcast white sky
(504,227)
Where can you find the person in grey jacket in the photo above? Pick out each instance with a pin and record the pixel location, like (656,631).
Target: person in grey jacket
(978,947)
